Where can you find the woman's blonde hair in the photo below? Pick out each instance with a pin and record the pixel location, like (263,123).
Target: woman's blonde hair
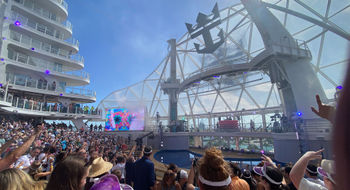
(17,179)
(214,168)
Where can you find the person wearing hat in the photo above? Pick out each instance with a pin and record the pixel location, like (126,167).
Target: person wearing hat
(98,168)
(311,173)
(182,179)
(326,171)
(144,176)
(247,176)
(272,177)
(110,182)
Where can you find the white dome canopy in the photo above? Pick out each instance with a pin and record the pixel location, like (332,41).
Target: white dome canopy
(319,25)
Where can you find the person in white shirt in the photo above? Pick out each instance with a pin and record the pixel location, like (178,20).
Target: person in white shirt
(120,165)
(311,174)
(25,161)
(326,171)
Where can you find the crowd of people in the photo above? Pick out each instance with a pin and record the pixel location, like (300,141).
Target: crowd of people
(53,156)
(48,145)
(40,156)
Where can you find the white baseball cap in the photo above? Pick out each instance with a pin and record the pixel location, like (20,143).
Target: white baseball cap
(183,174)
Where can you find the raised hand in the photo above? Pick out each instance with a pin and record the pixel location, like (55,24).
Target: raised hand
(324,111)
(38,129)
(314,155)
(267,160)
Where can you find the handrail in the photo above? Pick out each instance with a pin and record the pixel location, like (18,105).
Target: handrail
(47,48)
(301,45)
(56,107)
(47,65)
(44,13)
(24,21)
(62,3)
(207,68)
(21,80)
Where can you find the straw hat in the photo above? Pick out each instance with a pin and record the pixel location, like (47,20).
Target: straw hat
(99,166)
(327,169)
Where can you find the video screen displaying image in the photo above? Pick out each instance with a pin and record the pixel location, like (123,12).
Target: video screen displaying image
(122,119)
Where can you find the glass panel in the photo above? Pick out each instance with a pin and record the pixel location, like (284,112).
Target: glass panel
(37,9)
(39,62)
(46,13)
(11,54)
(31,24)
(20,103)
(58,67)
(26,40)
(31,82)
(63,53)
(54,50)
(15,36)
(22,58)
(31,61)
(54,17)
(46,47)
(62,85)
(10,77)
(36,44)
(51,67)
(41,28)
(42,84)
(20,80)
(58,35)
(49,31)
(28,4)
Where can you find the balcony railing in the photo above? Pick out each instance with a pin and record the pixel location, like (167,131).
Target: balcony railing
(62,3)
(31,6)
(45,47)
(24,21)
(40,106)
(25,81)
(46,65)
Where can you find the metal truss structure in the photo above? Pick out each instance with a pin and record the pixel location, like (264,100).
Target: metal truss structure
(319,25)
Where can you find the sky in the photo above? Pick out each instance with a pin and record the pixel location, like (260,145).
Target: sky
(123,41)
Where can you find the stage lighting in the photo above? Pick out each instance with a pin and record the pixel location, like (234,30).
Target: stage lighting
(47,72)
(0,84)
(339,87)
(299,113)
(262,152)
(61,94)
(2,59)
(17,23)
(33,49)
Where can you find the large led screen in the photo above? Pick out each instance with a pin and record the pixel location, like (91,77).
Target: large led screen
(122,119)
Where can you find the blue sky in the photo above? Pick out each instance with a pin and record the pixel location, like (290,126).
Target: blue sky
(122,41)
